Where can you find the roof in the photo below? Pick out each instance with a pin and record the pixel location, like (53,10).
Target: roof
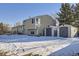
(66,25)
(43,16)
(17,26)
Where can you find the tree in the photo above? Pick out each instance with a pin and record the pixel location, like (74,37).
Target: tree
(4,28)
(65,14)
(76,15)
(1,28)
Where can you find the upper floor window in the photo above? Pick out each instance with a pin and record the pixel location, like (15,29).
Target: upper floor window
(33,20)
(37,20)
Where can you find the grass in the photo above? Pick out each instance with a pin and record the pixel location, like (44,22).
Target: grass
(3,53)
(30,54)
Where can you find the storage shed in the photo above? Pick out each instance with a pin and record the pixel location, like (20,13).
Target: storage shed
(61,31)
(67,31)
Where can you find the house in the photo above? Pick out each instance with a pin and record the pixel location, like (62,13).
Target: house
(20,29)
(17,29)
(14,30)
(36,25)
(61,31)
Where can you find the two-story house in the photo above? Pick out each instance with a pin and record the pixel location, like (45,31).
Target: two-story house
(36,25)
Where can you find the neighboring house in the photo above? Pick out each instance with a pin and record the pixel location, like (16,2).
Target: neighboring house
(61,31)
(14,30)
(20,29)
(36,25)
(17,29)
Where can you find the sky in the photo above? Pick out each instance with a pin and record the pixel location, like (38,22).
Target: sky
(11,13)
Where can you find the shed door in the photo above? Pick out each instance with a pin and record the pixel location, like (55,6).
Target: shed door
(48,32)
(63,32)
(55,33)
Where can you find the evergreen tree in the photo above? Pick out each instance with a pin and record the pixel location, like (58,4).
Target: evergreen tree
(76,12)
(73,15)
(65,14)
(76,15)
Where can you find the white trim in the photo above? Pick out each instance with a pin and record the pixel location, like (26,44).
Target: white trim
(45,32)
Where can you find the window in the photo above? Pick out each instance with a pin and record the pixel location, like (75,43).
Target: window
(32,32)
(37,20)
(33,21)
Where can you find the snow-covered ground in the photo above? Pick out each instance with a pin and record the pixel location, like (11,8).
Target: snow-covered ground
(24,45)
(25,38)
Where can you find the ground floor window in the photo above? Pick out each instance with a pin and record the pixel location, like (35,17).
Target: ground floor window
(32,32)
